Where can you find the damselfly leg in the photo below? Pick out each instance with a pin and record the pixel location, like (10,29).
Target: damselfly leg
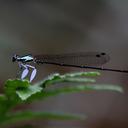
(24,70)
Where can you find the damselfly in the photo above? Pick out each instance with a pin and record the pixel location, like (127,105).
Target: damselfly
(88,60)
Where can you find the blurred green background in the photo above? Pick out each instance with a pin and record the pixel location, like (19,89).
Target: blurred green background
(65,26)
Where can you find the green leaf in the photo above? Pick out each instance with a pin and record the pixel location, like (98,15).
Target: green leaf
(80,88)
(107,87)
(12,85)
(10,88)
(3,104)
(22,88)
(74,89)
(71,77)
(79,80)
(21,91)
(27,92)
(28,115)
(2,98)
(80,74)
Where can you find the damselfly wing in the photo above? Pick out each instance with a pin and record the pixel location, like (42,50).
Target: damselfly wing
(76,59)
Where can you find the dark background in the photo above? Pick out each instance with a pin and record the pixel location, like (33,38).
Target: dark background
(64,26)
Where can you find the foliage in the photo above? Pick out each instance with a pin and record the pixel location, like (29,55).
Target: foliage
(17,92)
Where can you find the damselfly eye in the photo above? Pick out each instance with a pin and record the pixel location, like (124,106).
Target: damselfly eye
(14,58)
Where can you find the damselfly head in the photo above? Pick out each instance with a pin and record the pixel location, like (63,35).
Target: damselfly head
(14,58)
